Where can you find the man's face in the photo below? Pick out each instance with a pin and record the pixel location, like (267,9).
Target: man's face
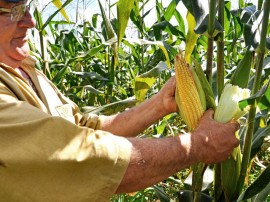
(14,34)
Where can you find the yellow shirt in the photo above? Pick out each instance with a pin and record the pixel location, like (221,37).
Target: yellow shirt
(46,156)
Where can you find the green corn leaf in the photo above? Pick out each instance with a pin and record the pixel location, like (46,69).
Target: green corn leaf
(124,8)
(262,196)
(136,18)
(90,88)
(227,17)
(200,11)
(258,138)
(91,52)
(60,74)
(167,27)
(90,76)
(163,197)
(160,44)
(252,21)
(241,75)
(171,9)
(257,186)
(156,71)
(112,108)
(180,20)
(261,98)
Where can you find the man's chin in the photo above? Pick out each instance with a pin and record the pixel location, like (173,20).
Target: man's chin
(21,53)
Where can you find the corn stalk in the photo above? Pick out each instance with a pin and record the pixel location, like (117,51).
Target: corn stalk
(113,62)
(211,30)
(256,87)
(198,169)
(220,86)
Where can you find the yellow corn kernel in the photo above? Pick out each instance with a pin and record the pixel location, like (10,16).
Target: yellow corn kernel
(187,95)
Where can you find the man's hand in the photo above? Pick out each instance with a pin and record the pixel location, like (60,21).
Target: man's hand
(214,141)
(167,96)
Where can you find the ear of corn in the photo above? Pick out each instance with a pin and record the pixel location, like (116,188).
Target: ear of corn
(191,102)
(190,97)
(230,172)
(227,110)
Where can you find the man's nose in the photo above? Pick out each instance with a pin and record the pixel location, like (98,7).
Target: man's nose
(27,20)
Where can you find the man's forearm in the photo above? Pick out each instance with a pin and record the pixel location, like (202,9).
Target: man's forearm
(154,160)
(135,120)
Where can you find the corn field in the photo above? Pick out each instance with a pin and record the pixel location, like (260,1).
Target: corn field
(124,52)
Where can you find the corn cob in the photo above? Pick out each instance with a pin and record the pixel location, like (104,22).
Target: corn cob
(191,102)
(227,110)
(190,97)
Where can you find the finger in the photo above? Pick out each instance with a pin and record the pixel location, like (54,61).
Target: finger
(235,125)
(237,142)
(209,113)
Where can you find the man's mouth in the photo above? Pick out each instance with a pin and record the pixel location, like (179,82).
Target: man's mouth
(23,38)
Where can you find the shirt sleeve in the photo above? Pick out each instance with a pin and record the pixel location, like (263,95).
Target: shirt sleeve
(48,158)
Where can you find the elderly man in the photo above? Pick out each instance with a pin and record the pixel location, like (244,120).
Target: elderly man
(50,151)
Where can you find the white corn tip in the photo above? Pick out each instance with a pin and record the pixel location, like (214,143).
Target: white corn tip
(228,108)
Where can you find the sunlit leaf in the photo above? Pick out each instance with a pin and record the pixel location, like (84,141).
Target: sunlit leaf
(142,85)
(54,14)
(191,38)
(58,4)
(124,8)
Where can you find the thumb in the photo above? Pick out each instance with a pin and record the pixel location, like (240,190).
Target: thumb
(209,113)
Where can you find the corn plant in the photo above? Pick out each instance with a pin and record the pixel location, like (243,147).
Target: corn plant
(96,64)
